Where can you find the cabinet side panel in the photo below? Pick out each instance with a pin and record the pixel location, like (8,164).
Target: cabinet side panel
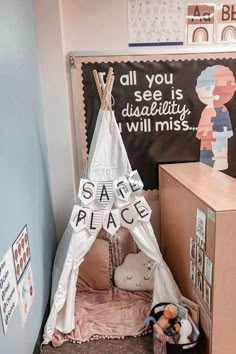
(224,311)
(174,230)
(178,210)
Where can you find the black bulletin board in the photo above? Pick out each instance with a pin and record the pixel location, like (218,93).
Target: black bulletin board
(157,107)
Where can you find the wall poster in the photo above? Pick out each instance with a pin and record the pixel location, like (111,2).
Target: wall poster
(8,289)
(21,253)
(169,109)
(200,23)
(23,272)
(226,23)
(155,23)
(26,293)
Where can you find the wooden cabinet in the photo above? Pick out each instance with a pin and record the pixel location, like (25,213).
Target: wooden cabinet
(186,191)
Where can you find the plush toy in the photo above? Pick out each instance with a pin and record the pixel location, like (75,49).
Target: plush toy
(163,323)
(135,273)
(184,328)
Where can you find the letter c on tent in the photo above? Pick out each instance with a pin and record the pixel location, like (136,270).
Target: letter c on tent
(122,215)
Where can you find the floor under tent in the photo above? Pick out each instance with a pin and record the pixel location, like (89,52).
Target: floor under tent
(103,310)
(108,260)
(130,345)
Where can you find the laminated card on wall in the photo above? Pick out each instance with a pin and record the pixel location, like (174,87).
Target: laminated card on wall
(23,272)
(226,23)
(26,293)
(200,23)
(21,253)
(154,23)
(8,289)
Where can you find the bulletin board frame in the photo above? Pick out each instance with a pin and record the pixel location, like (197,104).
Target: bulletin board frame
(139,55)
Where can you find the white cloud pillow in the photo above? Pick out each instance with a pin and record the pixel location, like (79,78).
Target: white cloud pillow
(134,273)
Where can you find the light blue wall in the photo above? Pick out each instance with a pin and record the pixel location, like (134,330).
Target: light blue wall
(24,181)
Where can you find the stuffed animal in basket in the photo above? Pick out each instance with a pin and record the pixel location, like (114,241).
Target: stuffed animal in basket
(184,328)
(163,323)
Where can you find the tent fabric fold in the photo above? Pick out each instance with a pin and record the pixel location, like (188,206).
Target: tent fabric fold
(165,288)
(107,161)
(61,315)
(108,158)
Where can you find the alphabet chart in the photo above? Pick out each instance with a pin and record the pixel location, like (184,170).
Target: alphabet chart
(200,23)
(226,23)
(155,22)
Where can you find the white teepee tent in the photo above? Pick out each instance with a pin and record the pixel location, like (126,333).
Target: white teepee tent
(112,200)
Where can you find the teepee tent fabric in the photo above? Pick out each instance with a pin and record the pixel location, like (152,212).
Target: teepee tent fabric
(107,161)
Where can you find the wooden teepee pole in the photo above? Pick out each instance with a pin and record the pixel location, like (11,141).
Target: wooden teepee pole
(96,78)
(104,90)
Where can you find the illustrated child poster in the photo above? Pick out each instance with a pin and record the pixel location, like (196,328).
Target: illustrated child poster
(207,294)
(208,270)
(193,248)
(26,293)
(200,259)
(193,271)
(21,253)
(199,282)
(226,23)
(200,23)
(8,289)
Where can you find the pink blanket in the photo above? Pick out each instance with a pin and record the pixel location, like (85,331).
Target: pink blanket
(108,313)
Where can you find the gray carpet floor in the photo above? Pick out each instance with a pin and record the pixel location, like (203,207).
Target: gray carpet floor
(130,345)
